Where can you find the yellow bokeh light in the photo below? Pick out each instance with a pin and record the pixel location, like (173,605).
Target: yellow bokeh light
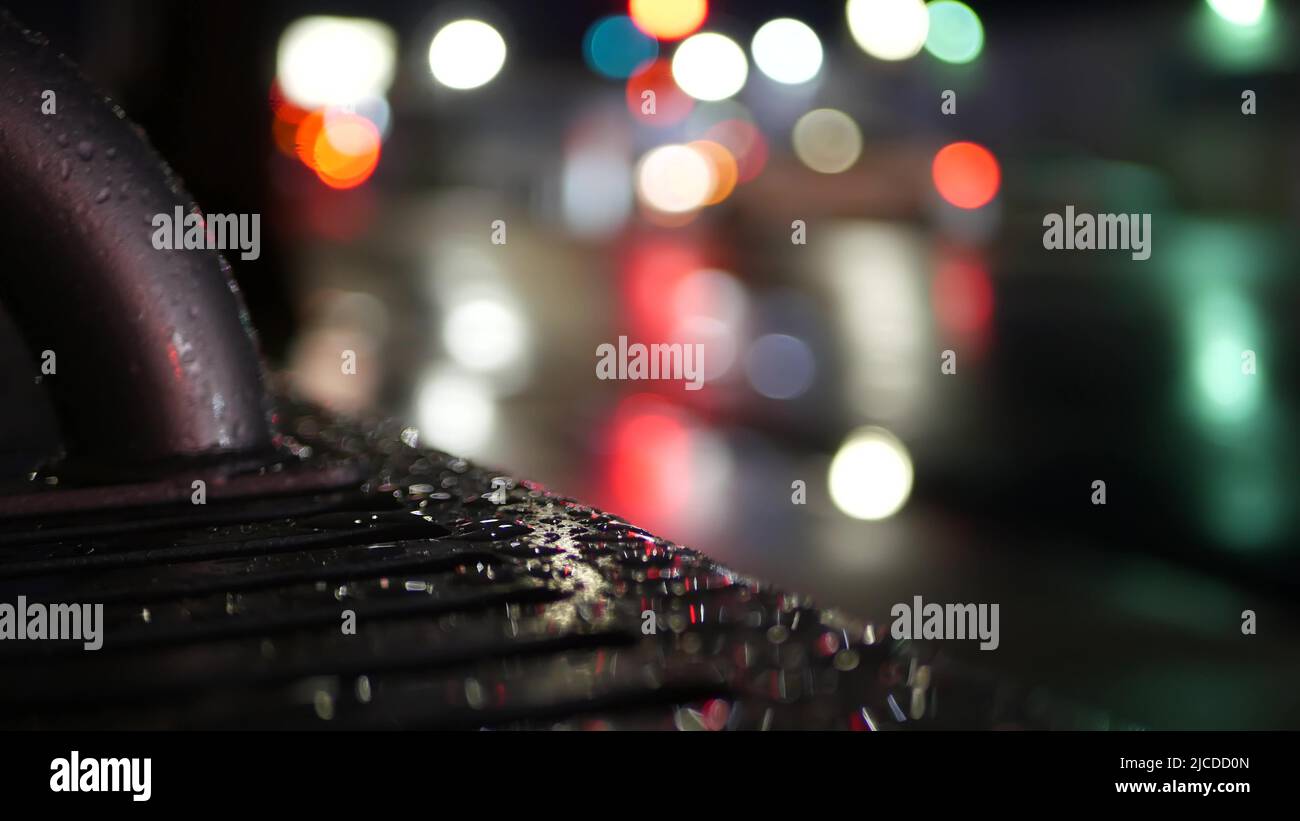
(668,19)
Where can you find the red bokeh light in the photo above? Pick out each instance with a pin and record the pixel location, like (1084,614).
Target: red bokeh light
(649,461)
(966,174)
(652,272)
(671,104)
(963,296)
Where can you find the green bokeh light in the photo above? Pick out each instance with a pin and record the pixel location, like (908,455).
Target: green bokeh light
(1239,12)
(1241,483)
(1240,40)
(1223,325)
(956,34)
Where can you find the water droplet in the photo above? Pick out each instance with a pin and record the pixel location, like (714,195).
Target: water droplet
(487,530)
(85,149)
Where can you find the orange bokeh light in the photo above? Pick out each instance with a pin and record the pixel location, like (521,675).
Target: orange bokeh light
(286,117)
(668,19)
(341,147)
(346,150)
(744,142)
(305,137)
(723,165)
(966,174)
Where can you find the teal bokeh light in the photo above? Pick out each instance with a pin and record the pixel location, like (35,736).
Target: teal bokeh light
(1240,36)
(614,47)
(1217,272)
(956,34)
(1240,12)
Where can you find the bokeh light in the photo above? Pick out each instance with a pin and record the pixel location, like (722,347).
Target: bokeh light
(709,308)
(888,29)
(309,128)
(668,19)
(711,292)
(374,109)
(787,50)
(956,34)
(335,60)
(780,366)
(710,66)
(879,309)
(655,266)
(1239,12)
(827,141)
(346,149)
(466,54)
(674,179)
(966,174)
(963,296)
(286,117)
(871,474)
(745,142)
(336,320)
(708,114)
(596,185)
(723,167)
(456,412)
(616,48)
(485,335)
(1224,324)
(663,469)
(653,97)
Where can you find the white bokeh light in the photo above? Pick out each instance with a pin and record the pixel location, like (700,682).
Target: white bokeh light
(485,335)
(710,66)
(787,50)
(871,475)
(1239,12)
(827,140)
(325,61)
(674,179)
(456,412)
(889,29)
(596,190)
(466,54)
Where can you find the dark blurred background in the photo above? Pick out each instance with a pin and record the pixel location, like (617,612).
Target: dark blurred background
(822,358)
